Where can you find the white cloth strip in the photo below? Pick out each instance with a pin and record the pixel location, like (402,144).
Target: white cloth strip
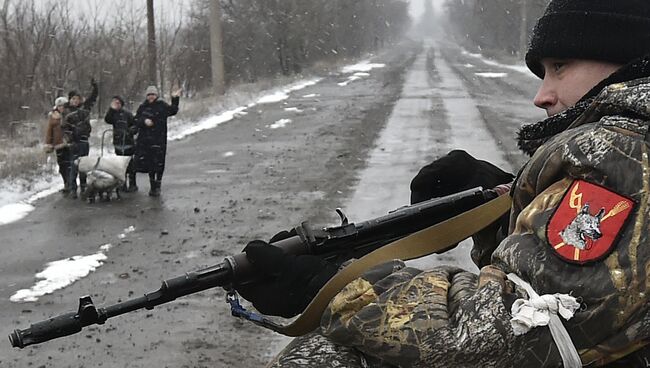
(542,311)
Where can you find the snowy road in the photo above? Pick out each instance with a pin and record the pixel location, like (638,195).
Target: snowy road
(352,140)
(434,115)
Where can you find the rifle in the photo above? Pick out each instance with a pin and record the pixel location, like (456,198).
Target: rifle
(336,244)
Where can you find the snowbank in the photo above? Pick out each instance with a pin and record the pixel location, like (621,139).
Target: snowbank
(518,68)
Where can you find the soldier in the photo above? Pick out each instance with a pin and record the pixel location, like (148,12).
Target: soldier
(578,234)
(76,128)
(124,130)
(151,120)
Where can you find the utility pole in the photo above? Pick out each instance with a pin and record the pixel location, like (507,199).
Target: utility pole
(151,43)
(523,31)
(216,48)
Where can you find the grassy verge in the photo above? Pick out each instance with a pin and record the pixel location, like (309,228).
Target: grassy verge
(22,162)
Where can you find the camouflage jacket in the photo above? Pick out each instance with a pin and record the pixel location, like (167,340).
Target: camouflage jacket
(579,226)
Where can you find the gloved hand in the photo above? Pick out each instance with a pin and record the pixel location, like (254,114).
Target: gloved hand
(453,173)
(288,282)
(93,83)
(458,171)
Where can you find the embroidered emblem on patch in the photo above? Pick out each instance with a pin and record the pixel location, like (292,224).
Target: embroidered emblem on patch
(585,226)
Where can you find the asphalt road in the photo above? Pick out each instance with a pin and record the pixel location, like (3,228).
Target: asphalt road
(245,180)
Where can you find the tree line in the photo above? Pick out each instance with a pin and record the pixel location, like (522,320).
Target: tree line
(47,48)
(262,38)
(495,25)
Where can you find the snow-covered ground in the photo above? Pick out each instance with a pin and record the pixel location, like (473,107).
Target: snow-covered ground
(61,273)
(184,129)
(17,197)
(520,68)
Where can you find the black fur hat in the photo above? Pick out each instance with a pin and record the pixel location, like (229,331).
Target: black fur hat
(617,31)
(72,94)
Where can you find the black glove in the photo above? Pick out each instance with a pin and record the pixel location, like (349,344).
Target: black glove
(93,83)
(454,173)
(288,282)
(458,171)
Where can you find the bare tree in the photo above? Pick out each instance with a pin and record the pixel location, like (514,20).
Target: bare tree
(46,49)
(26,40)
(216,48)
(167,37)
(151,42)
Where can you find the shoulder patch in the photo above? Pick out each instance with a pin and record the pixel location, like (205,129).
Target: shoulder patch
(587,222)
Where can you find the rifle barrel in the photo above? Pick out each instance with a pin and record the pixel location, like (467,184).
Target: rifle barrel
(353,240)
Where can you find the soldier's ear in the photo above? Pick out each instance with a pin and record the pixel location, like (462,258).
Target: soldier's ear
(601,213)
(585,209)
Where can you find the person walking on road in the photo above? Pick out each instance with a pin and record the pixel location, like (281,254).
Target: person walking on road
(77,128)
(124,131)
(151,147)
(54,141)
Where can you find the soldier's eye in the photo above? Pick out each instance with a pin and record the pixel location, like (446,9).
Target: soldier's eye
(557,66)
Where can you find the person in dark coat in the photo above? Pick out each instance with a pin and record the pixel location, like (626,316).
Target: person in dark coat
(124,131)
(76,129)
(151,147)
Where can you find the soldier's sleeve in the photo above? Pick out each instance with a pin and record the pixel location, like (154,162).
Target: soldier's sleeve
(579,226)
(445,317)
(448,318)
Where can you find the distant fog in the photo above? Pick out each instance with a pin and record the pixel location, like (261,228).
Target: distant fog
(417,7)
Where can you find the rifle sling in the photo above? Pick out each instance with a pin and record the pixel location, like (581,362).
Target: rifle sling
(424,242)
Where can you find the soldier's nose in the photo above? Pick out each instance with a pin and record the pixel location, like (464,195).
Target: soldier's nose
(546,98)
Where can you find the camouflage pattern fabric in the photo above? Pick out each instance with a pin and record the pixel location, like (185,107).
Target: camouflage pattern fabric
(314,350)
(446,317)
